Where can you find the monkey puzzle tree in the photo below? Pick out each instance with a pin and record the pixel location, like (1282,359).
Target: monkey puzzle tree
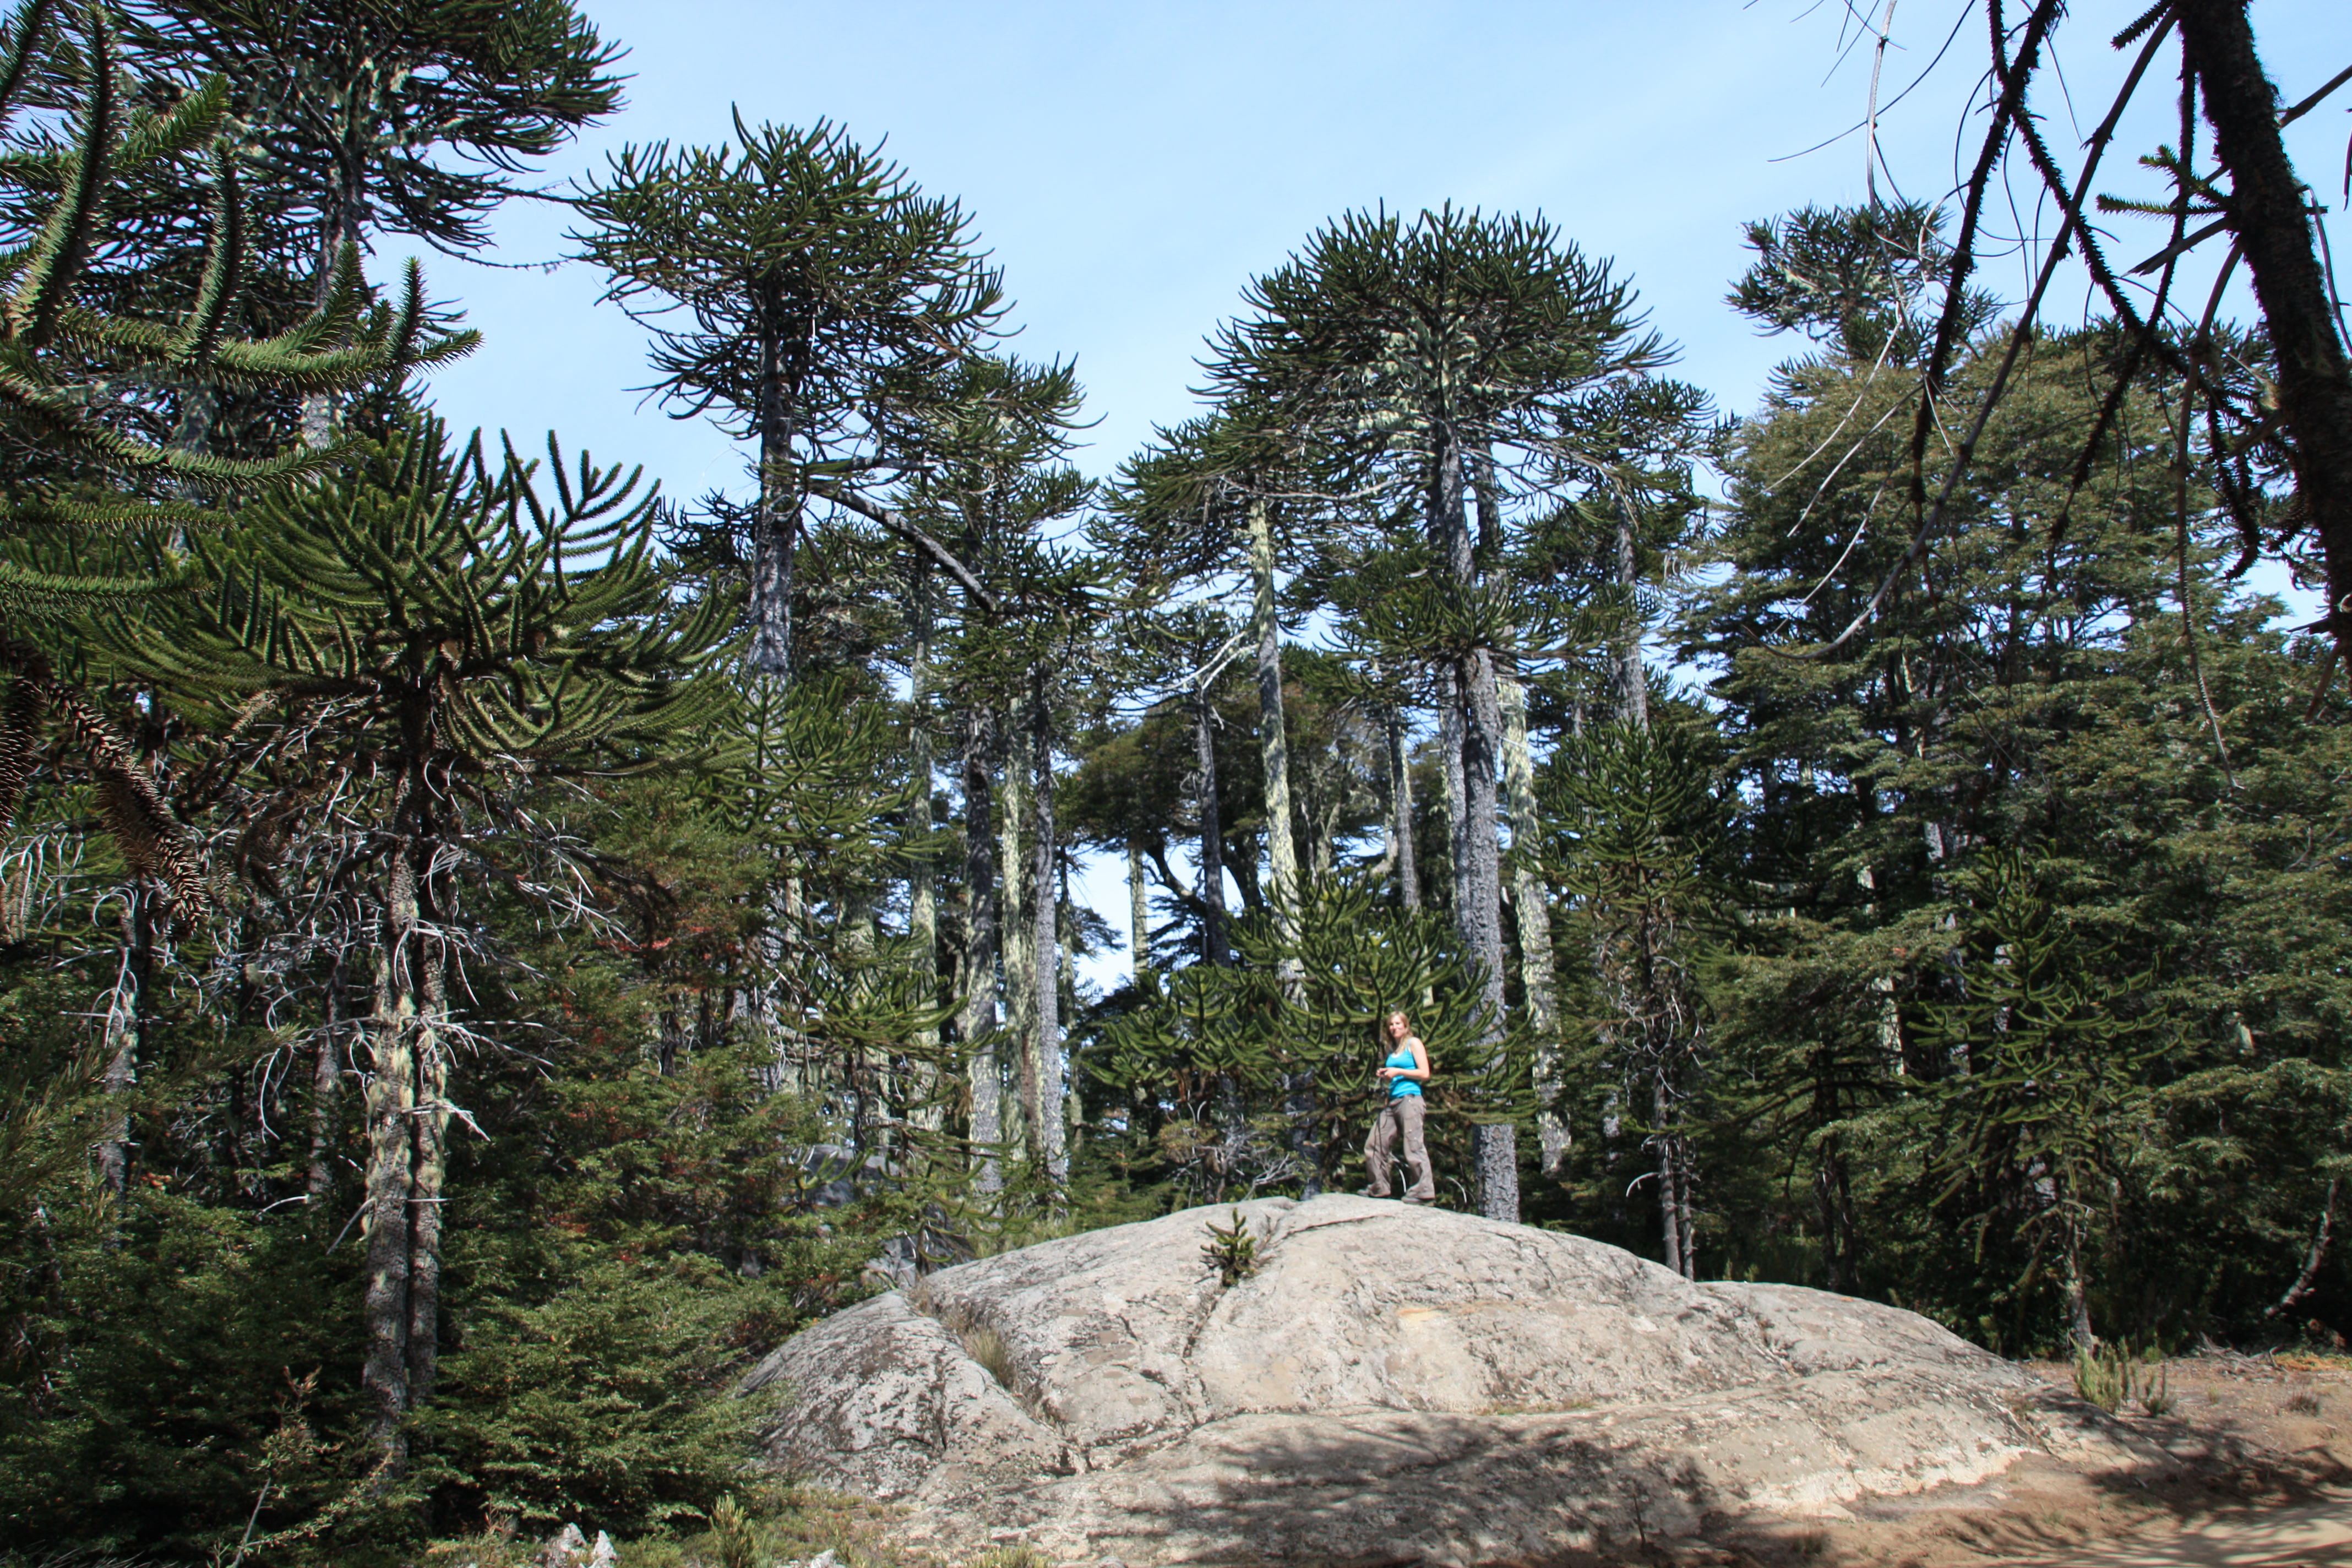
(1216,497)
(818,291)
(90,500)
(1437,357)
(471,636)
(347,114)
(993,430)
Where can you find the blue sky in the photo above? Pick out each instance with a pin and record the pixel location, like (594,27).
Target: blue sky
(1131,165)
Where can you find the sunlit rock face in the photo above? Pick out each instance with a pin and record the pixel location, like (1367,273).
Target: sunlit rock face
(1392,1381)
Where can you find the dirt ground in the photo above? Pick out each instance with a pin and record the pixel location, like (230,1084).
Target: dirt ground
(2259,1476)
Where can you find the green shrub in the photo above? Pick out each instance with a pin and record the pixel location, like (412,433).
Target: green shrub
(603,1401)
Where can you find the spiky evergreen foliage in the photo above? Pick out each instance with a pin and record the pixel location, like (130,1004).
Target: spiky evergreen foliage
(79,469)
(85,471)
(484,625)
(1636,830)
(346,112)
(2045,1044)
(819,288)
(468,633)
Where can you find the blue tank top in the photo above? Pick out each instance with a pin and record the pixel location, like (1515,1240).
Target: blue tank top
(1401,1087)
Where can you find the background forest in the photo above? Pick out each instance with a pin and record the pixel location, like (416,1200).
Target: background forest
(487,949)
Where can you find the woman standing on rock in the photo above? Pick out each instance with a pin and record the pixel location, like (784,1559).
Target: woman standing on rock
(1404,1071)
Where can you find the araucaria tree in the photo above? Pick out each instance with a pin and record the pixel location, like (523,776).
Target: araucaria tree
(802,287)
(470,635)
(1455,353)
(361,119)
(100,480)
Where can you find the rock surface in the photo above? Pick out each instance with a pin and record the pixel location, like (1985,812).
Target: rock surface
(1393,1381)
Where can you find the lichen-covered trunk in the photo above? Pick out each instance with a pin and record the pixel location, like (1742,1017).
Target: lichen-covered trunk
(1042,1077)
(428,1191)
(391,1174)
(1531,904)
(1213,944)
(1670,1189)
(1399,825)
(1020,938)
(976,1017)
(926,1109)
(784,349)
(1273,745)
(1474,744)
(127,1009)
(1631,676)
(1139,910)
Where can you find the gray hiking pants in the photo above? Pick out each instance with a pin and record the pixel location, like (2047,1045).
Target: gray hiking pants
(1400,1118)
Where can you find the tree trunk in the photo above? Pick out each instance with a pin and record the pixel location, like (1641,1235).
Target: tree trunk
(1531,900)
(1473,746)
(126,1029)
(1400,838)
(2078,1296)
(1670,1196)
(1213,945)
(1633,677)
(2266,213)
(976,1019)
(1014,829)
(326,1083)
(1042,1063)
(926,1112)
(1829,1199)
(432,1166)
(776,523)
(392,1148)
(1273,745)
(1481,880)
(1457,817)
(1139,910)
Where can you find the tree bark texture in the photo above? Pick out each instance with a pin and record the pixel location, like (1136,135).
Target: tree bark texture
(1495,1149)
(126,1029)
(1474,744)
(1045,1113)
(1400,836)
(2266,213)
(976,1019)
(1632,675)
(925,1110)
(326,1085)
(1020,950)
(399,1041)
(1273,745)
(1213,941)
(1531,902)
(1139,910)
(1457,820)
(776,523)
(1669,1174)
(1481,917)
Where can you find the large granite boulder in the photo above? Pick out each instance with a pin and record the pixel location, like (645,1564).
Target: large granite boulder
(1392,1381)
